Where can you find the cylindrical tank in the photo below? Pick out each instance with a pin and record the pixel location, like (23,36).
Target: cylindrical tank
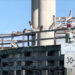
(46,20)
(46,14)
(43,12)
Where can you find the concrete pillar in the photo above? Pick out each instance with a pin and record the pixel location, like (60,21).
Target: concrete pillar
(46,14)
(23,64)
(10,72)
(46,20)
(16,72)
(1,72)
(43,12)
(73,72)
(35,24)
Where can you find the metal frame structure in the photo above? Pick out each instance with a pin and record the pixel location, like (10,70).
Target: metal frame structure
(17,52)
(8,67)
(25,37)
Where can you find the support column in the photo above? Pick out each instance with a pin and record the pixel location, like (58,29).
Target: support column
(1,72)
(46,20)
(73,72)
(23,64)
(43,12)
(10,72)
(35,11)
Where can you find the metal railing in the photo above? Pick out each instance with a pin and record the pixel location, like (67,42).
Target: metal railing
(24,39)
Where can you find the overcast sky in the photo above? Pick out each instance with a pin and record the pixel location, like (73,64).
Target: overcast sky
(15,14)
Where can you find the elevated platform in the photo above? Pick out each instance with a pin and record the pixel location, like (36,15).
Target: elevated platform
(26,60)
(20,56)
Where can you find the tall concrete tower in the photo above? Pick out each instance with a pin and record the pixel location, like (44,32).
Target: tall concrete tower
(46,19)
(43,12)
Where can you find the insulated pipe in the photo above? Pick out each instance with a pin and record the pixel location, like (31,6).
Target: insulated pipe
(46,14)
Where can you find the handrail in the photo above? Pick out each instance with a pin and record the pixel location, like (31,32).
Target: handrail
(25,37)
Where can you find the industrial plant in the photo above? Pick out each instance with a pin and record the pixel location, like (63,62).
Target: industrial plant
(45,49)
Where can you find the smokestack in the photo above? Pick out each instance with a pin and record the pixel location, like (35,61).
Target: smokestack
(46,20)
(43,12)
(47,12)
